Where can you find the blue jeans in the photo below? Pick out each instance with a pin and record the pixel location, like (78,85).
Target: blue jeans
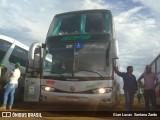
(150,95)
(9,89)
(129,99)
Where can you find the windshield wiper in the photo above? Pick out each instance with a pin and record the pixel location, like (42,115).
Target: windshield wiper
(93,72)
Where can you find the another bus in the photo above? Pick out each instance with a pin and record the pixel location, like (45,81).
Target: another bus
(83,49)
(155,64)
(12,51)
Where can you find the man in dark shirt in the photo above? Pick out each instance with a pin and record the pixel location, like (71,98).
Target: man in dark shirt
(130,86)
(3,71)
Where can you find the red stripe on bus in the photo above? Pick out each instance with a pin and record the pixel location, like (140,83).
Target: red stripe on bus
(50,82)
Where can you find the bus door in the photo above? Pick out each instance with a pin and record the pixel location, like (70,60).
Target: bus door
(33,74)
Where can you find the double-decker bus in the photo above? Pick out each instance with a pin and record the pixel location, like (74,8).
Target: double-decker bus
(155,64)
(12,51)
(82,49)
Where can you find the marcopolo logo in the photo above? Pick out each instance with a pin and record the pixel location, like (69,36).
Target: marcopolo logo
(72,88)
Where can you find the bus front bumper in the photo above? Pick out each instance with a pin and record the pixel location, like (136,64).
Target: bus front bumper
(106,99)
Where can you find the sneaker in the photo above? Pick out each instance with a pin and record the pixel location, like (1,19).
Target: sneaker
(3,108)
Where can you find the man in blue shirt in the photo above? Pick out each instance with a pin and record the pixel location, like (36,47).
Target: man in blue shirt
(130,86)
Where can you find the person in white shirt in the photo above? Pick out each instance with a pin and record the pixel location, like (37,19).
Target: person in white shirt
(11,87)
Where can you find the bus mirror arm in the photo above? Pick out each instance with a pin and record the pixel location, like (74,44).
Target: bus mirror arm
(32,50)
(43,45)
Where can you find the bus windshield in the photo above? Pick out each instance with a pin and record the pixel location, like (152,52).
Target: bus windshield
(68,60)
(88,22)
(78,44)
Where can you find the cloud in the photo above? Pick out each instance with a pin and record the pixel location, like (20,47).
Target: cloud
(37,15)
(153,4)
(127,16)
(137,34)
(27,39)
(19,15)
(96,4)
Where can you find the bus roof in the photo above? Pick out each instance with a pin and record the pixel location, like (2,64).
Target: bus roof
(83,11)
(13,41)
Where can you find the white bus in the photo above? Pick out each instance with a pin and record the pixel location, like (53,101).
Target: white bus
(156,69)
(82,48)
(12,51)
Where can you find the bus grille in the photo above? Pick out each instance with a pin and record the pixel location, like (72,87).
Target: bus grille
(82,92)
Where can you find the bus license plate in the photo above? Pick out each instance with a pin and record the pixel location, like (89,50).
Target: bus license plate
(72,99)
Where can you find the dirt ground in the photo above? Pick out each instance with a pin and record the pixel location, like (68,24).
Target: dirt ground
(56,112)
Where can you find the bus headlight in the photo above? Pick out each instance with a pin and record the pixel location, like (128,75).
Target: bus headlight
(102,90)
(49,89)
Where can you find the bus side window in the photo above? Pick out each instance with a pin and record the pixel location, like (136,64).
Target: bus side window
(4,46)
(19,55)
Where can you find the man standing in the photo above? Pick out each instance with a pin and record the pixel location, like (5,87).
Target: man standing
(3,71)
(11,86)
(150,82)
(130,86)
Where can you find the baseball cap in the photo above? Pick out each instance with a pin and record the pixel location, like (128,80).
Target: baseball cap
(17,64)
(1,64)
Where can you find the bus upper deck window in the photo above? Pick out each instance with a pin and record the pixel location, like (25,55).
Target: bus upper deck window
(70,24)
(95,22)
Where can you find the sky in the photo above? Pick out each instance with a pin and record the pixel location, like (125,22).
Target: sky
(136,24)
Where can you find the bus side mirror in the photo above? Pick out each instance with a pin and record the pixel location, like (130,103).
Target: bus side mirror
(35,59)
(114,47)
(32,49)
